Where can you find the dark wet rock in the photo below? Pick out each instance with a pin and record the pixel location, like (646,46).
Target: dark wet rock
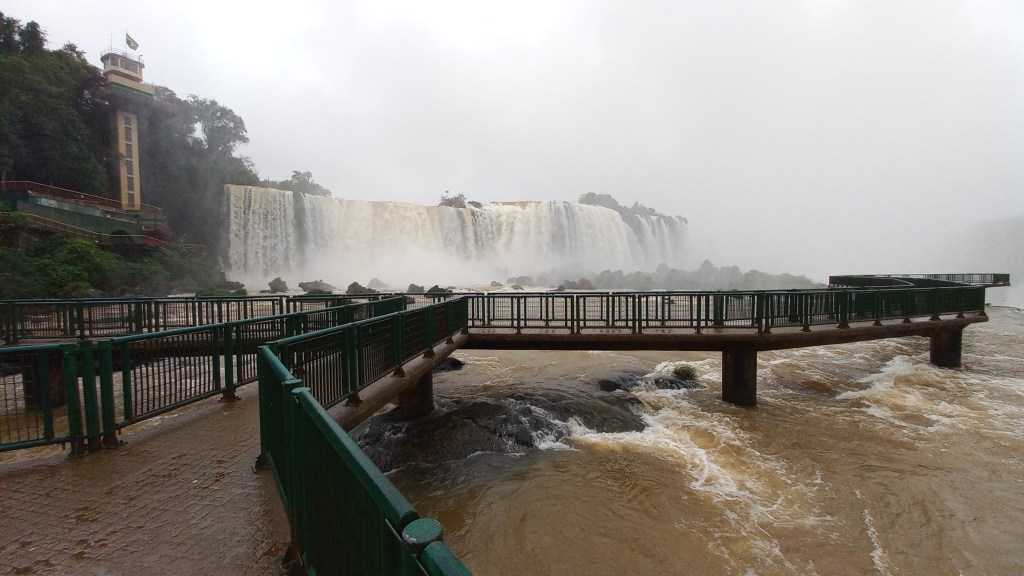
(449,364)
(603,413)
(671,382)
(630,379)
(317,286)
(458,429)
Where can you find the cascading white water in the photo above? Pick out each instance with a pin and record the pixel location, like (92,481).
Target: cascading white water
(302,237)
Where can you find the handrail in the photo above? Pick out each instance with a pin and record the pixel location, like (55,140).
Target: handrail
(357,522)
(637,312)
(159,372)
(988,279)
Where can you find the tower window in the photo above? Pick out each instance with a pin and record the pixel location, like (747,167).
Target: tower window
(128,151)
(131,200)
(127,133)
(131,183)
(127,120)
(129,166)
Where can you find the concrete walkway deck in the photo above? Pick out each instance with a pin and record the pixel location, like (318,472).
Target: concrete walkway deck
(180,497)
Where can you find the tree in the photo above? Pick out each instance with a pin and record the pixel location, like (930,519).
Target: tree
(32,39)
(299,182)
(9,27)
(456,201)
(222,129)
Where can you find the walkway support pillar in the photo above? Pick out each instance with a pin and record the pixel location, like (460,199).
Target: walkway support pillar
(946,346)
(739,376)
(417,400)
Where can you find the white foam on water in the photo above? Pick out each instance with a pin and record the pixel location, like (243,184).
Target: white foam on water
(878,556)
(913,396)
(755,492)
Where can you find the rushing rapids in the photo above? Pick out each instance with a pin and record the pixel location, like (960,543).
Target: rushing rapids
(860,458)
(298,236)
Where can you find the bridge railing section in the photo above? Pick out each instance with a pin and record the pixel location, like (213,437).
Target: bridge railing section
(975,279)
(336,363)
(638,312)
(124,380)
(108,317)
(41,398)
(345,515)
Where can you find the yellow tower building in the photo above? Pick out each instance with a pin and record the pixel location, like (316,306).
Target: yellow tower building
(124,80)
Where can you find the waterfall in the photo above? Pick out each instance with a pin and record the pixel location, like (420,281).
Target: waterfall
(302,237)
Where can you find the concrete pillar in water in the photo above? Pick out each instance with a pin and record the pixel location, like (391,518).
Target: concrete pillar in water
(946,346)
(739,376)
(417,400)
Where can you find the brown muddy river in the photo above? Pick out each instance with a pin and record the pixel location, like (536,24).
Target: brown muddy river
(859,459)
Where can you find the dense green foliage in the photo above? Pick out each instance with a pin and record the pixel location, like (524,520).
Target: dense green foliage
(54,128)
(58,267)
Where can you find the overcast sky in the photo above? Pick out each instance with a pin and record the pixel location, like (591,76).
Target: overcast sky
(810,136)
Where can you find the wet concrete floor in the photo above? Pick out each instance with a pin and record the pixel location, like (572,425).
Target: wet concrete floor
(179,497)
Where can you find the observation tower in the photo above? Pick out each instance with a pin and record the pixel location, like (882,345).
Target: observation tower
(123,73)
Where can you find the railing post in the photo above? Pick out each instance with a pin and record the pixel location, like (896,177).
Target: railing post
(430,331)
(360,364)
(805,312)
(229,362)
(296,445)
(79,308)
(637,327)
(574,322)
(105,350)
(126,381)
(519,314)
(136,317)
(87,370)
(844,307)
(699,298)
(215,354)
(398,342)
(69,362)
(759,303)
(934,303)
(449,314)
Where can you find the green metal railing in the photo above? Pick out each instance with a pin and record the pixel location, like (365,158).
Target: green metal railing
(336,363)
(108,317)
(345,515)
(127,379)
(637,312)
(920,280)
(168,352)
(41,398)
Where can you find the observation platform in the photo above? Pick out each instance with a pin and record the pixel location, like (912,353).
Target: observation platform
(182,497)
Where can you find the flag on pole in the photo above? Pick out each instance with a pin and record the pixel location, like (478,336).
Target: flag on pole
(130,42)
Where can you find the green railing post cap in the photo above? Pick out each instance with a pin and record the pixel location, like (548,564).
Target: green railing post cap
(421,532)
